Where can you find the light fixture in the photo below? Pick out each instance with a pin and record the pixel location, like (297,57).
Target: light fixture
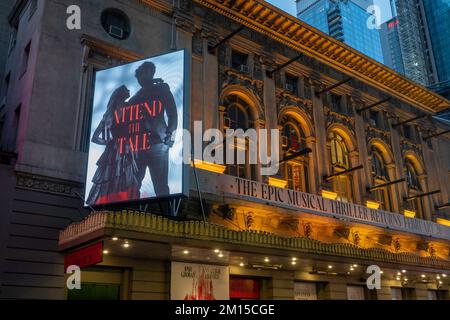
(409,214)
(406,279)
(444,222)
(330,267)
(444,275)
(186,252)
(355,266)
(115,239)
(329,194)
(293,263)
(403,271)
(381,271)
(438,277)
(423,276)
(266,259)
(351,268)
(105,251)
(372,204)
(398,278)
(217,251)
(399,273)
(440,282)
(126,245)
(220,255)
(294,259)
(241,264)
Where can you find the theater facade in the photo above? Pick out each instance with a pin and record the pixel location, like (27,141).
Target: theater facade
(364,175)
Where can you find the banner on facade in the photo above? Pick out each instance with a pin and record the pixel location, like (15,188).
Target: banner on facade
(239,188)
(191,281)
(137,110)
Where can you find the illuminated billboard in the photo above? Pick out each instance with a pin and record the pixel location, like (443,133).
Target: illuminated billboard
(134,150)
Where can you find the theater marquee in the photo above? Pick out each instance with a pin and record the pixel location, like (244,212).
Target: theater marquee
(295,200)
(137,110)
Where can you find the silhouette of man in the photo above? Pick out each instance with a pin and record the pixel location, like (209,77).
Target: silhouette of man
(156,96)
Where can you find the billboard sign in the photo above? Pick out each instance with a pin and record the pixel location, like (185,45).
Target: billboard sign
(135,147)
(190,281)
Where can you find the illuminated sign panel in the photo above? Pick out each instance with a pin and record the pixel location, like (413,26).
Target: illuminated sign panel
(190,281)
(135,149)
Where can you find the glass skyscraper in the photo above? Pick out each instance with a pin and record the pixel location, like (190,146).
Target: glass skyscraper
(390,42)
(438,18)
(345,20)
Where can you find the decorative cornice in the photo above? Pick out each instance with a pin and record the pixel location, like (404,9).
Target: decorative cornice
(273,22)
(48,185)
(110,49)
(160,5)
(147,224)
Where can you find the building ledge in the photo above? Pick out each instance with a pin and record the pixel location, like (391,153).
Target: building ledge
(98,224)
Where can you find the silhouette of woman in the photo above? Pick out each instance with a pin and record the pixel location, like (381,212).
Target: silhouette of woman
(115,178)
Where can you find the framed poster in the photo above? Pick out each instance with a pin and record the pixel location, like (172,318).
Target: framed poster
(305,291)
(139,110)
(191,281)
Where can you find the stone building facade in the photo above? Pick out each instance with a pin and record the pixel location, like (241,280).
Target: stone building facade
(374,190)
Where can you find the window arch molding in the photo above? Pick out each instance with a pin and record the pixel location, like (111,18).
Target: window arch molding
(341,150)
(416,183)
(300,116)
(256,111)
(346,134)
(295,131)
(381,171)
(383,149)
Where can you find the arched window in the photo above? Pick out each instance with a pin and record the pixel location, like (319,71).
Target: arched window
(295,170)
(414,188)
(340,161)
(380,176)
(411,176)
(339,152)
(238,116)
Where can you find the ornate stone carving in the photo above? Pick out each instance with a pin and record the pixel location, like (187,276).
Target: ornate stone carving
(377,133)
(257,68)
(308,230)
(396,244)
(285,99)
(230,77)
(49,185)
(225,211)
(335,117)
(289,224)
(184,21)
(356,238)
(407,145)
(197,44)
(248,220)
